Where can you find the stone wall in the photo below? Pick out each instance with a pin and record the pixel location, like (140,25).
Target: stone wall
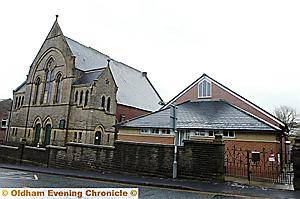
(198,160)
(203,160)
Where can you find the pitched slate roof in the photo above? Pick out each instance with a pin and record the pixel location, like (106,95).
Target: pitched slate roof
(201,115)
(21,88)
(87,58)
(88,77)
(134,89)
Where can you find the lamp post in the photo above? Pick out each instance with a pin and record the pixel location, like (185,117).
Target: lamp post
(173,121)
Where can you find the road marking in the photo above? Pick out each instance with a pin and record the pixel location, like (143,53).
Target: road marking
(17,175)
(35,177)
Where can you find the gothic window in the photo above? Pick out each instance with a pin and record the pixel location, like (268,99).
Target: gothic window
(108,104)
(103,102)
(86,99)
(19,102)
(16,102)
(58,88)
(76,96)
(22,101)
(48,86)
(80,97)
(37,89)
(204,89)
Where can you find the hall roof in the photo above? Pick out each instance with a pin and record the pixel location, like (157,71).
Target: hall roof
(217,115)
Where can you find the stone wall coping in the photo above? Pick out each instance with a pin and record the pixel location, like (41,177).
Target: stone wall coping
(35,148)
(9,147)
(144,143)
(89,145)
(56,147)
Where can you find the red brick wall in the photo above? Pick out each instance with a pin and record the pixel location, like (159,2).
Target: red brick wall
(252,146)
(129,112)
(191,94)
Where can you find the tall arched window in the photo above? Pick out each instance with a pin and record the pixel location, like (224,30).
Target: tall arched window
(103,102)
(58,88)
(48,86)
(16,102)
(86,99)
(108,104)
(37,89)
(19,102)
(22,101)
(76,97)
(80,97)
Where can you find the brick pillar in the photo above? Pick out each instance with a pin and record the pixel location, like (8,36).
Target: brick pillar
(296,163)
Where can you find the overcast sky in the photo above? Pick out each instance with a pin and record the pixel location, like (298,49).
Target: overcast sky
(252,47)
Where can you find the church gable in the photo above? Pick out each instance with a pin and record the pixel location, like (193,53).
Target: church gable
(55,49)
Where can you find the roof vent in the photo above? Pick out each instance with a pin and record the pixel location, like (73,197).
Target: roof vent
(144,74)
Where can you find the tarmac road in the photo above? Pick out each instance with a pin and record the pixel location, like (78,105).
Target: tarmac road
(14,178)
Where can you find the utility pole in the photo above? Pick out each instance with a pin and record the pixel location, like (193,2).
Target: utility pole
(173,118)
(173,122)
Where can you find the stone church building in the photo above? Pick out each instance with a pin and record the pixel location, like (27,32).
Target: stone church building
(74,93)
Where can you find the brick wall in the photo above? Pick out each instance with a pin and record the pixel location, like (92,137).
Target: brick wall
(129,112)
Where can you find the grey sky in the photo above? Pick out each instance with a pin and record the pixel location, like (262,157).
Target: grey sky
(253,47)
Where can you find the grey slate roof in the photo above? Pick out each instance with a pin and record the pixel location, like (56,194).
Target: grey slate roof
(201,115)
(134,89)
(86,58)
(88,77)
(21,88)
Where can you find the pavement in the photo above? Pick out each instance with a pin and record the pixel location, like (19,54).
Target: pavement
(228,189)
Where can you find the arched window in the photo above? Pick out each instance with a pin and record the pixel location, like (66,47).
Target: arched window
(103,102)
(80,97)
(204,89)
(16,102)
(37,89)
(108,104)
(19,102)
(22,101)
(76,97)
(58,88)
(48,86)
(86,99)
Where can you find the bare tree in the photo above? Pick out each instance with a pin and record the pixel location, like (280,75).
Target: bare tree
(287,115)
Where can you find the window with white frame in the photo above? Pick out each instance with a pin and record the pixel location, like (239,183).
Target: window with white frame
(144,131)
(155,131)
(200,133)
(228,134)
(204,89)
(4,123)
